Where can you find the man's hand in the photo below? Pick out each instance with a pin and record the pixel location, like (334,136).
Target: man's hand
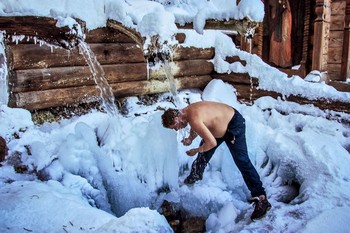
(192,152)
(186,141)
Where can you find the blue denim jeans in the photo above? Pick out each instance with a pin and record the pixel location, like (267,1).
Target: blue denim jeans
(236,141)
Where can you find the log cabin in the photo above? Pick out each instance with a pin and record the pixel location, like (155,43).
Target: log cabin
(44,77)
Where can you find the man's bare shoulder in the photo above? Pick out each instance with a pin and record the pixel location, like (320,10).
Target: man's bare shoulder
(207,105)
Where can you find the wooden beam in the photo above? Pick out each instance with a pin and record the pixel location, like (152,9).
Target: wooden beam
(74,95)
(31,56)
(75,76)
(43,28)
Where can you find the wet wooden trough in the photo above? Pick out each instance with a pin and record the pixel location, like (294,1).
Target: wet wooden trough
(43,76)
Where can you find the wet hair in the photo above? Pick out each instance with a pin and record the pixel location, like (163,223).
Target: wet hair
(169,116)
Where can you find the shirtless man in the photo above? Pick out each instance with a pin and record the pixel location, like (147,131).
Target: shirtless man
(215,123)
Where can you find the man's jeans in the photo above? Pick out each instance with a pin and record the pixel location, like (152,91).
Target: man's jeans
(236,142)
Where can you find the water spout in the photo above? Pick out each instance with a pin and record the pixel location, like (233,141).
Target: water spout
(106,93)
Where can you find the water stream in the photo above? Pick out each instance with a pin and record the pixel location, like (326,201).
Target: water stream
(250,41)
(3,72)
(106,93)
(171,81)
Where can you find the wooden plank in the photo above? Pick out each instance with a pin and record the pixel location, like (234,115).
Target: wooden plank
(68,96)
(43,28)
(51,78)
(31,56)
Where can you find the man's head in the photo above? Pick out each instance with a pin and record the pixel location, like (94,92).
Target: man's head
(169,116)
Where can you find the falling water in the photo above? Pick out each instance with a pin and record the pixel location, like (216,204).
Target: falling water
(252,71)
(171,81)
(3,72)
(106,93)
(182,133)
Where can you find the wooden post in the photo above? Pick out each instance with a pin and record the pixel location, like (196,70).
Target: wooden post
(321,35)
(345,66)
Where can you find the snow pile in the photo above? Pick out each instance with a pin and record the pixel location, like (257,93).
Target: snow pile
(303,161)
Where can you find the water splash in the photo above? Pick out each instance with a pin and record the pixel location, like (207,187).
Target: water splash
(106,93)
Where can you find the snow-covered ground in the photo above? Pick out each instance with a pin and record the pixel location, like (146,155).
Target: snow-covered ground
(97,173)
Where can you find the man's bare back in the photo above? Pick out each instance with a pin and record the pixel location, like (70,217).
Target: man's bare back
(215,116)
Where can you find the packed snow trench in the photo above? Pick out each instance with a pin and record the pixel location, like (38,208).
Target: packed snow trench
(96,173)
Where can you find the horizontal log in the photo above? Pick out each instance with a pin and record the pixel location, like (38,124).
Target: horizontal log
(184,68)
(157,86)
(106,35)
(180,37)
(242,26)
(52,78)
(340,86)
(31,56)
(36,100)
(249,95)
(133,34)
(236,78)
(191,53)
(43,28)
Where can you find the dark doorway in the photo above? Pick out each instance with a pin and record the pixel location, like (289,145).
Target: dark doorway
(283,32)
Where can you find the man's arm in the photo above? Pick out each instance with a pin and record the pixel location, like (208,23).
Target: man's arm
(209,140)
(191,137)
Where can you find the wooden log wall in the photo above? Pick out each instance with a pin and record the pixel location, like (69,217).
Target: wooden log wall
(43,77)
(336,40)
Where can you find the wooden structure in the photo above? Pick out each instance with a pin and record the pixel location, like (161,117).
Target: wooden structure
(314,33)
(42,76)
